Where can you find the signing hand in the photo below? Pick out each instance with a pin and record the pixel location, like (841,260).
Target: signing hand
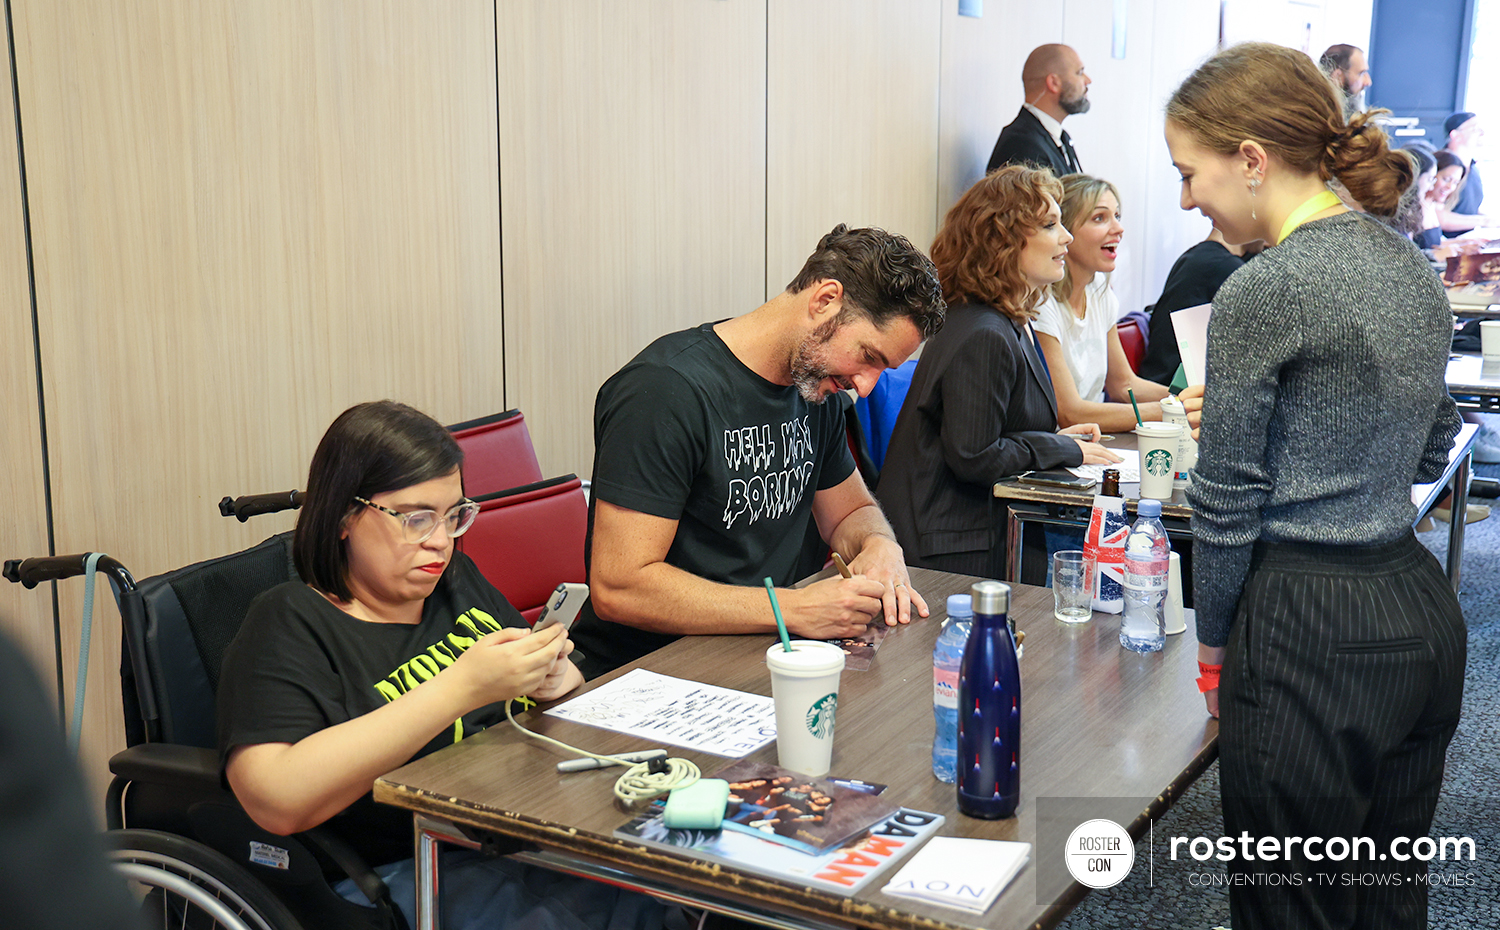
(834,608)
(882,560)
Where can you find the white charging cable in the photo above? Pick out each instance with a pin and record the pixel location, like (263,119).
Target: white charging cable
(639,783)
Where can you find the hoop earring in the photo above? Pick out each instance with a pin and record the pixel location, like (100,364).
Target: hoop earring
(1254,186)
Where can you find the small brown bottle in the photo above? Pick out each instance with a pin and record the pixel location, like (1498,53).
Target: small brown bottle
(1111,484)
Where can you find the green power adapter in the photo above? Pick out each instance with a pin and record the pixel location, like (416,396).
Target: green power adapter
(699,806)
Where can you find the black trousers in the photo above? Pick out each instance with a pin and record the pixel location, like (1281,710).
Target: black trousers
(1341,689)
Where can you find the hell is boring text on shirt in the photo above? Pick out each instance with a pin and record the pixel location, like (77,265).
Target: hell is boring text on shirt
(779,459)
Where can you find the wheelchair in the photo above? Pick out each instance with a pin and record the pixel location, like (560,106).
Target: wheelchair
(192,855)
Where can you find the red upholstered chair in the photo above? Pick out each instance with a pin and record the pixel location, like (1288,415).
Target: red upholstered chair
(1133,341)
(529,539)
(497,453)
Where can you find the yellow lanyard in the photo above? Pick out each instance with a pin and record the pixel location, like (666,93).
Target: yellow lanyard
(1317,203)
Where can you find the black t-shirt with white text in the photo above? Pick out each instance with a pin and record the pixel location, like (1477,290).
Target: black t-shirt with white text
(687,432)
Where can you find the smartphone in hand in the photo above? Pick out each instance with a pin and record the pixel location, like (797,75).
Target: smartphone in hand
(563,606)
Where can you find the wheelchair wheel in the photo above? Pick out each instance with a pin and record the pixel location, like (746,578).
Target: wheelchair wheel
(184,884)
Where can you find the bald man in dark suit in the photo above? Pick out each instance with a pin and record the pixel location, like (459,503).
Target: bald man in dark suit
(1056,87)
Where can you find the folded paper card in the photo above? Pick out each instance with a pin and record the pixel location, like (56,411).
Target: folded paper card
(957,872)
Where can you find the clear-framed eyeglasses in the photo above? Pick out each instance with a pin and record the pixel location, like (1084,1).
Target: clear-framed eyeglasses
(419,525)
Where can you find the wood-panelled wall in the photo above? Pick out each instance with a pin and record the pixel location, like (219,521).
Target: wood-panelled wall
(247,216)
(26,615)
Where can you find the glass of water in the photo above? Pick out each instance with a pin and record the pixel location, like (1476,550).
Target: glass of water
(1072,586)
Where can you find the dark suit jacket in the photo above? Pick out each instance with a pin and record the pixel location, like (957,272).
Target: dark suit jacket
(980,409)
(1027,142)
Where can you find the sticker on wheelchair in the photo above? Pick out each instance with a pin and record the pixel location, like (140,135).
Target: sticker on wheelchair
(272,857)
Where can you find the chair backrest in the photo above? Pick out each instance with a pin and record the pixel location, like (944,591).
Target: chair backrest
(1133,341)
(498,454)
(177,626)
(878,412)
(528,540)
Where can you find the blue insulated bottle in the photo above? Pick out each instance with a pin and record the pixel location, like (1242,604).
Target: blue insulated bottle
(989,710)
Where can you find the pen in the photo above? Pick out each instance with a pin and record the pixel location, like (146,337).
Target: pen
(842,565)
(583,765)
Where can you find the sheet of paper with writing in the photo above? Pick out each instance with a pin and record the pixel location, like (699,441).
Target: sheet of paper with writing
(671,710)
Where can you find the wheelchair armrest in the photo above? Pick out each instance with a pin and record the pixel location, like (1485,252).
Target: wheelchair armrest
(168,764)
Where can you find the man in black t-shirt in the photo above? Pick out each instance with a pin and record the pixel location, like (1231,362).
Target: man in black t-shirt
(714,452)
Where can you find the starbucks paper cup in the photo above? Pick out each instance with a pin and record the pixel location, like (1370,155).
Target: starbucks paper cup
(805,688)
(1158,444)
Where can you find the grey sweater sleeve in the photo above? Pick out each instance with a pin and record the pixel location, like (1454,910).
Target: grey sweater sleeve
(1247,345)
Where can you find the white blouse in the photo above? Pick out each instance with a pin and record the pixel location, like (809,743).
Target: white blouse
(1085,342)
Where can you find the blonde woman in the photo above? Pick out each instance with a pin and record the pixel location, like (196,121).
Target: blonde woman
(1075,322)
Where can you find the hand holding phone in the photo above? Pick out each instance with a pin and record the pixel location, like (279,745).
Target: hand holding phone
(563,606)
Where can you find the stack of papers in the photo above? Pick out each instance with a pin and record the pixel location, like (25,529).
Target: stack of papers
(952,871)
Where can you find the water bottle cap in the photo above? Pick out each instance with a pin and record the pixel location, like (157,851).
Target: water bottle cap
(960,607)
(1148,508)
(990,597)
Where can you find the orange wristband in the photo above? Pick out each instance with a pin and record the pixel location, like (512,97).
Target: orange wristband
(1208,679)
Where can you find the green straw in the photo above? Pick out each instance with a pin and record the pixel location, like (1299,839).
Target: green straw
(1131,392)
(786,641)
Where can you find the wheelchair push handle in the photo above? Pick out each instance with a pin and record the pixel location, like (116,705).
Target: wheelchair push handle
(32,572)
(251,505)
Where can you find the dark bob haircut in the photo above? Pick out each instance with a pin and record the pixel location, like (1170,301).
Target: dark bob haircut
(370,449)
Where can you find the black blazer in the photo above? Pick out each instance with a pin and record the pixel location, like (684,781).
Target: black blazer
(1027,142)
(980,409)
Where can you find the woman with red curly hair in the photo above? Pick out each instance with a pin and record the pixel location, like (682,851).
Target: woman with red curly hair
(981,406)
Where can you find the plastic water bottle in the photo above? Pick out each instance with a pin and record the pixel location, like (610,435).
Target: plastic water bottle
(946,656)
(989,710)
(1147,559)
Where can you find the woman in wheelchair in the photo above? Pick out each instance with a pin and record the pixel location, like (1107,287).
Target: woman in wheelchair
(391,647)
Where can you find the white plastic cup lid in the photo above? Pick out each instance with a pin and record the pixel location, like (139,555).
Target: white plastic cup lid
(1158,430)
(807,658)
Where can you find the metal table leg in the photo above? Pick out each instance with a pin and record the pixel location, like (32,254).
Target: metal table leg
(429,833)
(1460,505)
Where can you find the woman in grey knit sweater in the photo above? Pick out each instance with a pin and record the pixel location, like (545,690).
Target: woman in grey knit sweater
(1340,640)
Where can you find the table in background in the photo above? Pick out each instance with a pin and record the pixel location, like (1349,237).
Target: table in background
(1474,383)
(1126,732)
(1029,503)
(1475,311)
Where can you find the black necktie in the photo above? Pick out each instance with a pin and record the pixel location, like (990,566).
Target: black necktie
(1072,156)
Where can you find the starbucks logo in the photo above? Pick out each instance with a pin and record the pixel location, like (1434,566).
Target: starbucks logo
(1159,462)
(820,716)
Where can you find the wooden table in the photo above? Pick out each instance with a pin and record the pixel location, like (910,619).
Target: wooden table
(1105,733)
(1029,503)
